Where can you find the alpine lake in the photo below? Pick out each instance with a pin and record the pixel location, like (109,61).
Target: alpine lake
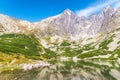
(69,69)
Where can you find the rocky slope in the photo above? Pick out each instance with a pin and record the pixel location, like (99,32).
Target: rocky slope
(12,25)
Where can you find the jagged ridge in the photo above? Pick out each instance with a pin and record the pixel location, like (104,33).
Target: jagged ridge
(64,24)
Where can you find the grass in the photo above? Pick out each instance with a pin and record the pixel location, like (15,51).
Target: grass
(69,52)
(88,46)
(94,53)
(49,54)
(19,44)
(104,44)
(117,51)
(65,43)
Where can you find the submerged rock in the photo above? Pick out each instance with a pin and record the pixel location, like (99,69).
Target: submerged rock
(36,65)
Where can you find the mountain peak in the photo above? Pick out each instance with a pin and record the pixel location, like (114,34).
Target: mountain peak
(108,8)
(68,12)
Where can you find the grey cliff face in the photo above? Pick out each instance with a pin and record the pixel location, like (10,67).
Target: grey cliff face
(100,21)
(67,23)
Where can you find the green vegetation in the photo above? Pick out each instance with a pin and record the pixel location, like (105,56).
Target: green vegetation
(88,46)
(104,44)
(30,47)
(117,51)
(49,54)
(20,44)
(94,53)
(71,52)
(118,42)
(65,43)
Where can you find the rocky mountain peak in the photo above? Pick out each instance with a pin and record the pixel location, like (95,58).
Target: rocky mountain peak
(68,12)
(108,8)
(108,11)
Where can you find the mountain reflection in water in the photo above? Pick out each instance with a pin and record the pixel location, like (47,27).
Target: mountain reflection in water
(69,70)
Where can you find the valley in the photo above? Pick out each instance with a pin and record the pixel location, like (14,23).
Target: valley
(61,46)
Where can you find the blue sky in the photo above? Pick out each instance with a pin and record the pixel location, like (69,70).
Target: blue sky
(36,10)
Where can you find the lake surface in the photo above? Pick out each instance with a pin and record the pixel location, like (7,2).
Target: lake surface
(69,70)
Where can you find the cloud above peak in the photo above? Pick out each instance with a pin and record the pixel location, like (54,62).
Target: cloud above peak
(117,5)
(94,8)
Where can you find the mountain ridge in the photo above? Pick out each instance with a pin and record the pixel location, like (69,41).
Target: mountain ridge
(65,24)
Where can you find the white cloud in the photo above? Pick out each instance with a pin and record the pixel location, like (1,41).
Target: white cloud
(117,5)
(97,7)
